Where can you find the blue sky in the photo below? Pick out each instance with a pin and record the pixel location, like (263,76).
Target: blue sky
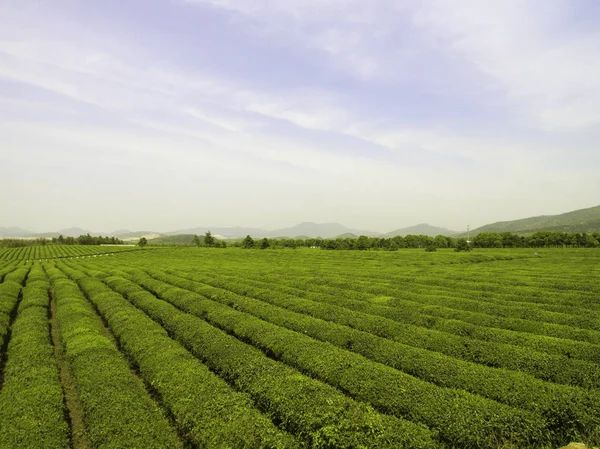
(167,114)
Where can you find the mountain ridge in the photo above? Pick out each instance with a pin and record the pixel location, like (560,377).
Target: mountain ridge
(580,220)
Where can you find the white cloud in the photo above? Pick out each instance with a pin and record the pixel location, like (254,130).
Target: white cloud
(206,131)
(550,71)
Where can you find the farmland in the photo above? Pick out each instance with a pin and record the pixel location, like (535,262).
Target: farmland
(234,348)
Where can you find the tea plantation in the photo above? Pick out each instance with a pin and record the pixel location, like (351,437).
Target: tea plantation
(232,348)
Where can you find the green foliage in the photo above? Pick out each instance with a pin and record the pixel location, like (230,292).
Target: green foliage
(566,408)
(208,411)
(315,412)
(248,242)
(462,245)
(109,394)
(382,348)
(39,253)
(142,242)
(196,241)
(209,240)
(32,412)
(363,379)
(9,297)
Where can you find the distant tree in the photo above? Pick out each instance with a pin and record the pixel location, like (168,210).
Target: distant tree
(431,247)
(488,240)
(248,242)
(591,242)
(440,241)
(196,241)
(363,242)
(209,240)
(462,245)
(143,242)
(264,243)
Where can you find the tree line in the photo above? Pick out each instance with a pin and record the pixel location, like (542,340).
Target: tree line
(541,239)
(86,239)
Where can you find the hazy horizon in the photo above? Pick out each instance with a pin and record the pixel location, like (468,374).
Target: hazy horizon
(172,114)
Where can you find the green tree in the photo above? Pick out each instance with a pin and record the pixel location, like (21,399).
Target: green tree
(248,242)
(143,242)
(462,245)
(440,241)
(196,241)
(363,243)
(209,240)
(264,243)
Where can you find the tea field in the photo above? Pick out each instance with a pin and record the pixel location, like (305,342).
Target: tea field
(234,348)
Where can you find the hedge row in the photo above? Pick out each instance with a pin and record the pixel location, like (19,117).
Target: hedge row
(570,412)
(413,330)
(462,419)
(32,412)
(541,301)
(440,309)
(10,291)
(206,410)
(118,412)
(551,345)
(483,305)
(547,288)
(316,413)
(6,268)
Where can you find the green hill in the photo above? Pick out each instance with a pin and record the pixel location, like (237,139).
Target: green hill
(421,229)
(581,220)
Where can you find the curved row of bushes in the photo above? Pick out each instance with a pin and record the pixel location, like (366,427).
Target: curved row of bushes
(361,302)
(462,419)
(438,307)
(418,331)
(32,411)
(207,411)
(118,411)
(372,305)
(529,299)
(6,268)
(10,290)
(366,289)
(570,412)
(492,307)
(315,412)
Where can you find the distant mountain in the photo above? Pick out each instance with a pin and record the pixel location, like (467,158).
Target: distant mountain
(124,235)
(421,229)
(581,220)
(14,232)
(323,230)
(228,232)
(178,239)
(74,232)
(69,232)
(119,232)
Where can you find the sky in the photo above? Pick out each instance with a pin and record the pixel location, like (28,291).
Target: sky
(169,114)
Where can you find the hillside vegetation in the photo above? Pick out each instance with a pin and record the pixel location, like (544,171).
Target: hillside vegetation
(582,220)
